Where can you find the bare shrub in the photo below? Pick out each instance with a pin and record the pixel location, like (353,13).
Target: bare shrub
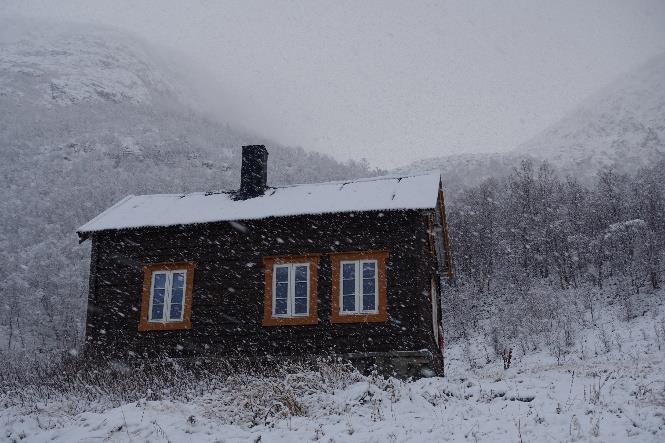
(659,333)
(594,428)
(605,341)
(507,356)
(495,341)
(618,340)
(596,388)
(556,346)
(627,306)
(467,354)
(589,298)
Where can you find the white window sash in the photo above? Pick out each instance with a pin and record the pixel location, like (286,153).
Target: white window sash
(291,290)
(358,272)
(168,286)
(274,290)
(341,286)
(184,291)
(152,294)
(292,278)
(376,287)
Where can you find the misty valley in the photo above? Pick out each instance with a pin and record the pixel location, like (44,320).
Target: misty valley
(225,286)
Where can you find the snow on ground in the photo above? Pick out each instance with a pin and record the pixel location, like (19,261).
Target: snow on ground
(610,387)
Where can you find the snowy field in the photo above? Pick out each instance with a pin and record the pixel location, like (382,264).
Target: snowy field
(608,387)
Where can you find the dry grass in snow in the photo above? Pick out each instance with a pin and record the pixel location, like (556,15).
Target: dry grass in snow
(608,386)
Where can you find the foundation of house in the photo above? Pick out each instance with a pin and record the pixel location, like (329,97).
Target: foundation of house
(401,364)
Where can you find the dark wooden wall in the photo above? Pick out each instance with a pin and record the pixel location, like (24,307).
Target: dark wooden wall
(229,286)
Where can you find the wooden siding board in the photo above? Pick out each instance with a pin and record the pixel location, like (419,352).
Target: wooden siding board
(229,321)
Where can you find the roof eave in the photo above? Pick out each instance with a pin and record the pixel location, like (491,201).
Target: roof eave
(83,236)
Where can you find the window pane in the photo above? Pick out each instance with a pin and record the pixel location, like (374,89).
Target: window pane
(348,271)
(280,306)
(158,296)
(301,273)
(349,303)
(369,302)
(282,274)
(178,280)
(176,295)
(301,289)
(348,287)
(369,286)
(176,311)
(282,290)
(369,269)
(300,306)
(160,280)
(157,312)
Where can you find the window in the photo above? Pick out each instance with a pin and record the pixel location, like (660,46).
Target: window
(290,290)
(359,287)
(359,282)
(167,296)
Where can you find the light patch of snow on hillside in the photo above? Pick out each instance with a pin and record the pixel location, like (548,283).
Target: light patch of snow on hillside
(610,388)
(621,125)
(71,67)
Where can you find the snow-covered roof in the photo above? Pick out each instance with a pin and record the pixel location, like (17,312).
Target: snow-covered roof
(371,194)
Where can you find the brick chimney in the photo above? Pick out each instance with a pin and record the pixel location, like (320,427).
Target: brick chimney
(254,171)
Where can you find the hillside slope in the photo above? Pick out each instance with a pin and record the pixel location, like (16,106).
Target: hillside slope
(622,127)
(88,116)
(461,170)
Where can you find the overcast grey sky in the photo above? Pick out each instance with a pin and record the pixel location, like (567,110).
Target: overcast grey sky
(391,81)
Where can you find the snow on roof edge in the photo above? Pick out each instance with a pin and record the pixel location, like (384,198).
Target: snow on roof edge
(120,202)
(86,233)
(97,223)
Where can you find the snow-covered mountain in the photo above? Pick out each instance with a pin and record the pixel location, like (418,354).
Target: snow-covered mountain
(47,66)
(87,116)
(461,170)
(98,89)
(622,126)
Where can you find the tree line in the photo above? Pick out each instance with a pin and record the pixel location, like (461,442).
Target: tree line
(536,227)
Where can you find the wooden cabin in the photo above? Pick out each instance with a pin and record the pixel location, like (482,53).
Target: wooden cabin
(351,269)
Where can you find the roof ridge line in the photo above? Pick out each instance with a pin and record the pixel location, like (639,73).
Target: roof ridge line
(398,177)
(363,179)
